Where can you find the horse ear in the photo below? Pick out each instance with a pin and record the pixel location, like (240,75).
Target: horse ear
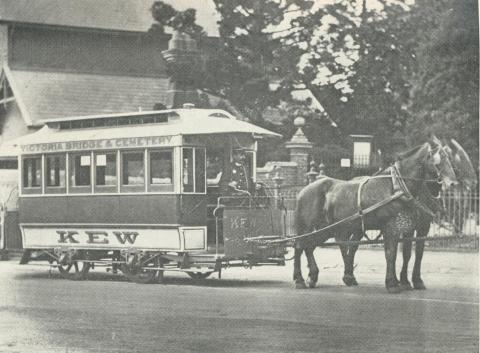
(454,145)
(435,140)
(437,159)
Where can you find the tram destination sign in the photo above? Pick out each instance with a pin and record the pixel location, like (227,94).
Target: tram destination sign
(102,144)
(145,238)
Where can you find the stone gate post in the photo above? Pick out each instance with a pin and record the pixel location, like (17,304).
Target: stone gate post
(299,148)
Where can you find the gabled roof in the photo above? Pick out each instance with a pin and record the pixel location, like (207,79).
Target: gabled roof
(119,15)
(51,95)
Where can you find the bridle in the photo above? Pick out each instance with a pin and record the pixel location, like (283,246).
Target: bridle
(444,157)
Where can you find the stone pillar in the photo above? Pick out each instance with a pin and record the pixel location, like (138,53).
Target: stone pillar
(183,58)
(299,148)
(277,195)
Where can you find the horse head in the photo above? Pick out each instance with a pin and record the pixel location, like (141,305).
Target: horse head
(438,163)
(462,165)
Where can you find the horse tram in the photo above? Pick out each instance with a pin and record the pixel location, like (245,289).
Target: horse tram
(174,190)
(144,193)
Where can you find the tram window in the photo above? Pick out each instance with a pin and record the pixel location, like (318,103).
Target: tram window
(32,169)
(200,170)
(9,164)
(215,166)
(193,170)
(161,170)
(250,158)
(80,171)
(55,171)
(133,171)
(106,170)
(188,170)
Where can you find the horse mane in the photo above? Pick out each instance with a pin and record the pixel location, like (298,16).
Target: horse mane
(409,153)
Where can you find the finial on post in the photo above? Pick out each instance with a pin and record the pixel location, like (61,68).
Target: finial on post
(321,169)
(312,173)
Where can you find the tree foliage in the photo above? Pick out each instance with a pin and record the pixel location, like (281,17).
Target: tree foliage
(356,62)
(445,81)
(377,67)
(167,16)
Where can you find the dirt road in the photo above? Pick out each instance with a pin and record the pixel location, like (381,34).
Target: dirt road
(246,311)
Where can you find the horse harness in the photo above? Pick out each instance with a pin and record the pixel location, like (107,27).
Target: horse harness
(398,186)
(400,191)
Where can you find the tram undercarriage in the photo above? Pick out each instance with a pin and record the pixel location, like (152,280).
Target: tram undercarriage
(234,219)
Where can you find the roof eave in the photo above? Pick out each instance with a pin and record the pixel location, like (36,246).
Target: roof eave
(74,28)
(16,92)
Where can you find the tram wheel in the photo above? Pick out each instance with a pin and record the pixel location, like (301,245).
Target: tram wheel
(140,274)
(76,271)
(199,275)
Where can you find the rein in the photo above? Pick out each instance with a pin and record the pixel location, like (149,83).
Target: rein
(400,191)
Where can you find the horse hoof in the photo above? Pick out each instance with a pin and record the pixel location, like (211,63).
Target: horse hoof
(350,280)
(311,283)
(300,285)
(405,285)
(419,285)
(394,290)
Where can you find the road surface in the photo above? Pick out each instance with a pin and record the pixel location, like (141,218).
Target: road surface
(246,311)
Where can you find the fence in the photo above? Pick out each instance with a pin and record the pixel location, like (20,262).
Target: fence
(460,218)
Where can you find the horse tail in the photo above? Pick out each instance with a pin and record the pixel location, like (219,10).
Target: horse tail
(309,212)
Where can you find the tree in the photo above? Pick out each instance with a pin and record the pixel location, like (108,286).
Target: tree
(250,50)
(444,98)
(376,67)
(166,16)
(356,61)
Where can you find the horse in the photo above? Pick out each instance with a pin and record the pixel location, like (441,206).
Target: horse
(328,201)
(421,220)
(467,180)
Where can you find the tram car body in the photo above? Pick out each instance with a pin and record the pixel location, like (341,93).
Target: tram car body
(140,192)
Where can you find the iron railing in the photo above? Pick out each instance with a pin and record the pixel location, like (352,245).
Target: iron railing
(460,218)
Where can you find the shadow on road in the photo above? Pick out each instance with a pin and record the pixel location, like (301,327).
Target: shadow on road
(168,280)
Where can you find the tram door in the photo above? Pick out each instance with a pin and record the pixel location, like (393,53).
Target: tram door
(216,163)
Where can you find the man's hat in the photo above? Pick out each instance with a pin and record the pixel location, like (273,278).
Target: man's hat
(240,150)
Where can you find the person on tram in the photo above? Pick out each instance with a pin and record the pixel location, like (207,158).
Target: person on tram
(238,179)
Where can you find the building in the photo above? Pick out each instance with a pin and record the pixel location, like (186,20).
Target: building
(63,58)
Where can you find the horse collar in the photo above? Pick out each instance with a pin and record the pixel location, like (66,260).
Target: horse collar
(399,183)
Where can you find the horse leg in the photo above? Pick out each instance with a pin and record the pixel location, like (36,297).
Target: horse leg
(419,247)
(344,250)
(347,254)
(390,245)
(407,253)
(297,270)
(352,249)
(312,267)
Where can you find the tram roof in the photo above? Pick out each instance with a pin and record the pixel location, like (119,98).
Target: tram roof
(180,122)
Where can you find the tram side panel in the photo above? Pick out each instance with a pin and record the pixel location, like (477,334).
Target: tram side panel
(151,222)
(101,210)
